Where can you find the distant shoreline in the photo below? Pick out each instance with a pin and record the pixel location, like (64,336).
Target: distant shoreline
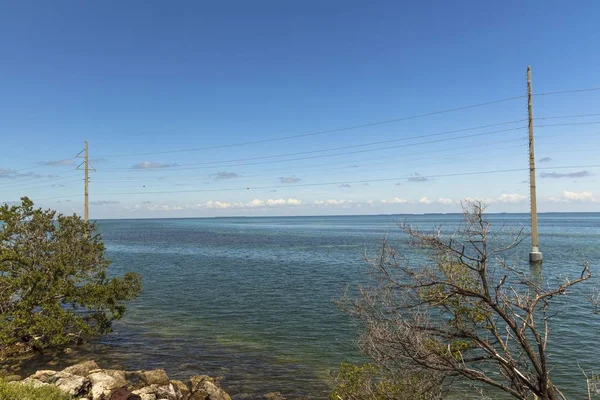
(346,215)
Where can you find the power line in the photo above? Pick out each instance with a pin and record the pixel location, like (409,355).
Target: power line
(568,124)
(303,185)
(41,186)
(330,183)
(318,132)
(48,178)
(395,165)
(569,116)
(443,152)
(567,91)
(50,163)
(213,164)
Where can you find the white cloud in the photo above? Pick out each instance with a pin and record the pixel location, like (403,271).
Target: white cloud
(164,207)
(57,163)
(572,197)
(289,179)
(582,196)
(217,204)
(283,202)
(395,200)
(445,201)
(332,202)
(103,202)
(222,205)
(511,198)
(484,200)
(558,175)
(151,165)
(276,202)
(425,200)
(11,173)
(225,175)
(256,203)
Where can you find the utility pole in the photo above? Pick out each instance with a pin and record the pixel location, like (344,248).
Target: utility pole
(86,201)
(535,256)
(86,168)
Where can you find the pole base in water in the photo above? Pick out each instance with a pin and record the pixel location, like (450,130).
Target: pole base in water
(535,257)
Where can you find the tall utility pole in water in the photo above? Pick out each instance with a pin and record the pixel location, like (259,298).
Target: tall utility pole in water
(86,205)
(86,164)
(535,256)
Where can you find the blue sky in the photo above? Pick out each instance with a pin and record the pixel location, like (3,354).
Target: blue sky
(142,77)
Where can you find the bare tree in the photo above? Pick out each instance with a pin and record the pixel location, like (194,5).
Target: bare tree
(467,313)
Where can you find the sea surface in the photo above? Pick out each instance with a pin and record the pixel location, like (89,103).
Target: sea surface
(251,300)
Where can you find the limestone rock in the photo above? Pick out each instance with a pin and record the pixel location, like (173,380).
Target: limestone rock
(155,377)
(136,379)
(181,389)
(44,375)
(74,385)
(147,396)
(166,392)
(82,369)
(204,388)
(146,393)
(104,382)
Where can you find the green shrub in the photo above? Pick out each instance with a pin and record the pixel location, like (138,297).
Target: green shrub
(368,382)
(28,392)
(54,286)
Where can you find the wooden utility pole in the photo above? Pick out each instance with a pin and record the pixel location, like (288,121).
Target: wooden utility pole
(86,201)
(86,167)
(535,255)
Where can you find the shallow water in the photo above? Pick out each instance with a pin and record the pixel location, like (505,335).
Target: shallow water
(251,299)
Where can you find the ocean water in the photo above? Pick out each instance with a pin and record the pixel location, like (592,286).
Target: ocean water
(252,299)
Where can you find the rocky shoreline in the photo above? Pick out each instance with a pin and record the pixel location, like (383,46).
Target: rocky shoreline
(87,381)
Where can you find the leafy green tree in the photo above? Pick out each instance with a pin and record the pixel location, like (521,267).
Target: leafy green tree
(54,287)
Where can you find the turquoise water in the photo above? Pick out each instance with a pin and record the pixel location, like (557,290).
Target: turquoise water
(251,299)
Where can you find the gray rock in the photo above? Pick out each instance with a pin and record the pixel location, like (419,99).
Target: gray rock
(147,393)
(136,379)
(82,369)
(104,382)
(44,375)
(74,385)
(166,392)
(147,396)
(155,377)
(181,389)
(204,388)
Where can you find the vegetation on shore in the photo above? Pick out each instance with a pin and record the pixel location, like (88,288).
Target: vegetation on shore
(54,286)
(10,391)
(467,314)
